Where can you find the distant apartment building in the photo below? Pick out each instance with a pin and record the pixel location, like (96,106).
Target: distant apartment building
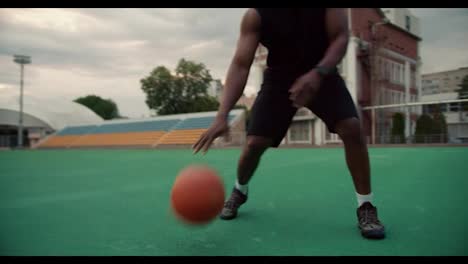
(443,82)
(215,89)
(441,86)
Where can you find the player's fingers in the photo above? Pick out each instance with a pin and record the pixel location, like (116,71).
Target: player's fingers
(200,144)
(198,141)
(207,144)
(292,97)
(294,90)
(298,102)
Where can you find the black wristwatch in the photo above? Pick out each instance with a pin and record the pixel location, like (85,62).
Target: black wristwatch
(325,71)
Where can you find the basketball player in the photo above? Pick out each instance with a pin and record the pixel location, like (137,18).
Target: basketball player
(304,48)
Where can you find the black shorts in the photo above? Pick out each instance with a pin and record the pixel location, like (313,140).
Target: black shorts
(272,112)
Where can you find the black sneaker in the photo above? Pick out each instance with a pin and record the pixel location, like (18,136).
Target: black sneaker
(232,205)
(369,223)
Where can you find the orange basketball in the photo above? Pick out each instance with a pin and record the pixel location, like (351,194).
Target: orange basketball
(197,196)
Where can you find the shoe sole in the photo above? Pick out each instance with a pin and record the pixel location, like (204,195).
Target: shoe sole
(227,217)
(373,235)
(232,216)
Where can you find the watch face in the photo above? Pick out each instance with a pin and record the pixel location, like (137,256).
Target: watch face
(323,70)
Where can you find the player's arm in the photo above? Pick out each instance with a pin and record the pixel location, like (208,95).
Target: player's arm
(239,69)
(236,79)
(336,20)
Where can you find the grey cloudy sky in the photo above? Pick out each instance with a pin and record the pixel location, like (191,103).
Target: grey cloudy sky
(107,51)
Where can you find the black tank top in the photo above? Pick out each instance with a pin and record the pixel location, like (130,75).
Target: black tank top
(296,38)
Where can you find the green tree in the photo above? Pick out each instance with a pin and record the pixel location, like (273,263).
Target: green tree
(398,128)
(463,92)
(205,103)
(431,129)
(439,126)
(105,108)
(182,92)
(423,128)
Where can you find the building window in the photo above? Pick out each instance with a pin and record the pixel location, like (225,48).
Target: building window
(453,107)
(403,100)
(443,108)
(426,109)
(331,138)
(300,131)
(397,80)
(402,75)
(387,70)
(382,68)
(408,23)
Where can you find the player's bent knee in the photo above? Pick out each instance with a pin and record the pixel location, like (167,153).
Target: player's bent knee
(350,131)
(257,145)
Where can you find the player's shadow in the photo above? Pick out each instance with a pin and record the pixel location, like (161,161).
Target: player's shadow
(305,222)
(245,215)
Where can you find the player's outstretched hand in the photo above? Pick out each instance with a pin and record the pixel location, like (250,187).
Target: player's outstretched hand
(218,128)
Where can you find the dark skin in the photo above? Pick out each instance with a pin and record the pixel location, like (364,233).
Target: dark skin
(301,92)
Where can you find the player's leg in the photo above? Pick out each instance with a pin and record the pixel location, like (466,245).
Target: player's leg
(248,163)
(357,157)
(250,157)
(334,105)
(270,118)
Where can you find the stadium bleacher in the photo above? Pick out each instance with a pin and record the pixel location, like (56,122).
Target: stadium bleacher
(188,131)
(66,136)
(180,130)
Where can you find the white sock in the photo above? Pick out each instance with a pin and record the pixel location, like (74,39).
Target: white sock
(242,188)
(364,198)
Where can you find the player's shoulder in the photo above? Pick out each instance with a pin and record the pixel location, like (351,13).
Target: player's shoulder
(261,12)
(253,13)
(251,19)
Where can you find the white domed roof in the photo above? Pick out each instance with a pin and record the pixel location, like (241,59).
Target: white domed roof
(55,113)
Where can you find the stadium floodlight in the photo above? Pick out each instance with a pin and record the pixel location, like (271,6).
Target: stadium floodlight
(21,60)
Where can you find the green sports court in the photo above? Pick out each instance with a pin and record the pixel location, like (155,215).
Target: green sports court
(100,109)
(116,202)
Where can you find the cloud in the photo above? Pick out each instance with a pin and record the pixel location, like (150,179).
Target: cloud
(444,35)
(107,51)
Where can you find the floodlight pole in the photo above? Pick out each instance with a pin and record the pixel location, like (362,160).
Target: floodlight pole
(21,60)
